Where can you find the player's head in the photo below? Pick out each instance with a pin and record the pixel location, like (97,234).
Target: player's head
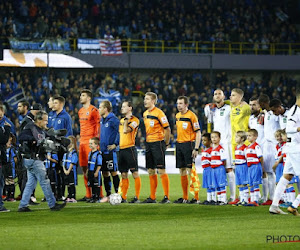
(105,108)
(219,96)
(58,103)
(252,135)
(236,96)
(240,137)
(150,100)
(41,119)
(264,101)
(283,135)
(94,143)
(86,96)
(11,140)
(50,102)
(2,111)
(254,105)
(215,137)
(206,140)
(23,107)
(182,103)
(126,107)
(278,136)
(73,143)
(276,107)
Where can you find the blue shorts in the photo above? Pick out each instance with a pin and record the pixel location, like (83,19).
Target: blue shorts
(219,178)
(295,179)
(207,182)
(279,172)
(255,174)
(241,174)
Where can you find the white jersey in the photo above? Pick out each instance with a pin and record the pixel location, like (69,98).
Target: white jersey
(221,122)
(255,123)
(293,122)
(283,119)
(271,125)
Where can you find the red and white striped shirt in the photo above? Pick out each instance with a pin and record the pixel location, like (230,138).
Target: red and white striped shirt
(278,151)
(217,157)
(206,157)
(240,155)
(253,153)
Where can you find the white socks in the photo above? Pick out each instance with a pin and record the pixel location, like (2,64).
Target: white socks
(296,202)
(271,184)
(281,186)
(265,189)
(231,182)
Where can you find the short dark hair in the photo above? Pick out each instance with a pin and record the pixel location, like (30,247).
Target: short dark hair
(275,103)
(25,103)
(206,135)
(264,99)
(253,131)
(60,98)
(88,92)
(96,140)
(185,98)
(253,98)
(217,133)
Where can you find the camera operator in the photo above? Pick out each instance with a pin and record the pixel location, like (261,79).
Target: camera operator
(33,154)
(4,135)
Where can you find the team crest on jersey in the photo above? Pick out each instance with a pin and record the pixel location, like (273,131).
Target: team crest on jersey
(106,125)
(59,122)
(184,125)
(222,113)
(284,120)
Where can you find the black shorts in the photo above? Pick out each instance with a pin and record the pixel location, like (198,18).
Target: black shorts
(128,160)
(155,155)
(92,180)
(51,172)
(109,162)
(71,179)
(184,154)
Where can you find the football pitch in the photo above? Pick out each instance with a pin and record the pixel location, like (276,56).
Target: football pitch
(146,226)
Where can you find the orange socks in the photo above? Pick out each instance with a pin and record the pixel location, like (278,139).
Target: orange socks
(166,184)
(88,193)
(196,196)
(137,182)
(125,186)
(153,186)
(185,186)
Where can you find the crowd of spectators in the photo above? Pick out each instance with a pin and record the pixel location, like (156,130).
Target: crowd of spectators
(253,21)
(168,86)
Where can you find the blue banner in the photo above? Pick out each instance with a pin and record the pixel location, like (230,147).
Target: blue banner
(14,98)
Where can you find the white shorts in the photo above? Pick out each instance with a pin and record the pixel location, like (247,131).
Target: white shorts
(228,152)
(269,152)
(292,165)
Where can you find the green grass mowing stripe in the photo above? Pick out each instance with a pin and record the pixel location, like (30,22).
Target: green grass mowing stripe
(151,226)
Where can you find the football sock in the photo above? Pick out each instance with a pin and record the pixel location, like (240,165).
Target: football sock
(213,194)
(166,184)
(265,189)
(137,185)
(231,182)
(252,194)
(291,194)
(153,186)
(256,193)
(241,193)
(125,186)
(71,191)
(223,194)
(101,191)
(116,182)
(97,192)
(107,185)
(196,195)
(185,186)
(271,184)
(298,184)
(279,190)
(246,193)
(296,201)
(209,196)
(88,193)
(284,196)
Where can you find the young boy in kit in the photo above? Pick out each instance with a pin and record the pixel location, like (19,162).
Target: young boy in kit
(218,163)
(255,166)
(94,166)
(241,168)
(207,170)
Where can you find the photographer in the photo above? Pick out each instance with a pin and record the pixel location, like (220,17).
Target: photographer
(4,135)
(33,154)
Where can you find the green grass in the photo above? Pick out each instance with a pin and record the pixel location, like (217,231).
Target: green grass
(144,226)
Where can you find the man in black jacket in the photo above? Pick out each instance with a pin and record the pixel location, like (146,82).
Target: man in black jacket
(4,135)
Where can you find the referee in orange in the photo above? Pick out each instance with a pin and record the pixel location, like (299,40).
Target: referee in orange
(187,145)
(157,140)
(128,129)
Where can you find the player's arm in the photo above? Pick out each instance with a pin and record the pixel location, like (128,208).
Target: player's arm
(126,128)
(277,163)
(117,139)
(197,144)
(96,118)
(261,160)
(99,164)
(97,171)
(291,126)
(51,159)
(69,126)
(167,136)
